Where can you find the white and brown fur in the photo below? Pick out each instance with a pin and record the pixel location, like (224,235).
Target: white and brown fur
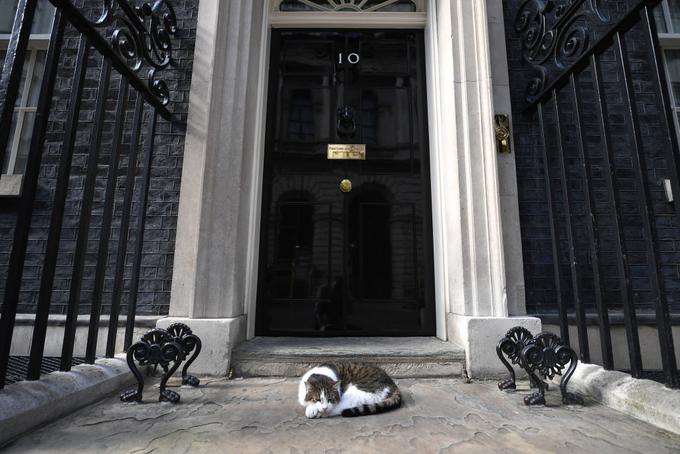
(347,389)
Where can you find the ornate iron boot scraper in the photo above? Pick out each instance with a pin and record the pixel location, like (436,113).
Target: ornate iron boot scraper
(162,347)
(512,345)
(542,357)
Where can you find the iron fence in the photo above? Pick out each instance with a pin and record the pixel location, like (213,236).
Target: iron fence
(125,41)
(597,100)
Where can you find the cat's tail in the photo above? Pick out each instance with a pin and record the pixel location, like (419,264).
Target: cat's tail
(390,403)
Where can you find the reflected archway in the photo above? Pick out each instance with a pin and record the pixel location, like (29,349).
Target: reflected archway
(370,243)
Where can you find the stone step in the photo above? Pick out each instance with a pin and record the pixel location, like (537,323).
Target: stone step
(401,357)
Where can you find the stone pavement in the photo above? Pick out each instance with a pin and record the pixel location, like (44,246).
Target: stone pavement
(260,415)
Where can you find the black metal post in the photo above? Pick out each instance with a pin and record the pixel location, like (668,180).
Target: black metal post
(105,232)
(584,348)
(85,216)
(593,233)
(625,285)
(117,292)
(557,273)
(141,221)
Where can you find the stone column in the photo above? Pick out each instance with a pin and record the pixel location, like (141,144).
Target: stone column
(209,271)
(479,230)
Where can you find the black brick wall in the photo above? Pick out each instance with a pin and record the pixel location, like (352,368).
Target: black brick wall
(655,149)
(161,219)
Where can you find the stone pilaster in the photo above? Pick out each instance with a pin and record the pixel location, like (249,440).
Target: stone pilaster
(208,288)
(478,224)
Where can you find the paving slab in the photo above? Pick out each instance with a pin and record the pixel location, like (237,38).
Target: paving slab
(260,415)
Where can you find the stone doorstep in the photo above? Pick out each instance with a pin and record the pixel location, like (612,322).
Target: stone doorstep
(401,357)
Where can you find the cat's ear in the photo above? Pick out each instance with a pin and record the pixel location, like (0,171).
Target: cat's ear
(336,385)
(312,381)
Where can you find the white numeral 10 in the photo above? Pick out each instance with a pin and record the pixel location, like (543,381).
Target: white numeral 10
(352,58)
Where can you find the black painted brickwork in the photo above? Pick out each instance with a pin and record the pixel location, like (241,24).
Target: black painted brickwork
(656,148)
(161,221)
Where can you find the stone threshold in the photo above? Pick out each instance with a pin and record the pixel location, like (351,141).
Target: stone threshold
(401,357)
(28,404)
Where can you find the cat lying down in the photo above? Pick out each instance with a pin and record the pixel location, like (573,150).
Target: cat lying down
(347,389)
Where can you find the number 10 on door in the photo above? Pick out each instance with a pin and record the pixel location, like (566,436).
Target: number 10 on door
(352,58)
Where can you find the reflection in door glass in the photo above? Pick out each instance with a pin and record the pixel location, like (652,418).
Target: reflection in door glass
(293,263)
(301,116)
(370,246)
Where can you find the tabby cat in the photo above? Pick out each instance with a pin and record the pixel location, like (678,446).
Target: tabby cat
(347,389)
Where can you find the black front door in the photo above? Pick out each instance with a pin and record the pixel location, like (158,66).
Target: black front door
(346,244)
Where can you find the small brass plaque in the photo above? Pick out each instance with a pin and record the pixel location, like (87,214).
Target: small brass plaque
(347,151)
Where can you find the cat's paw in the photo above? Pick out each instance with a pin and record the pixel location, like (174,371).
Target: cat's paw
(312,412)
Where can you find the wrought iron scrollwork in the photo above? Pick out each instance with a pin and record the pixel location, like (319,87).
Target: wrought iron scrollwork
(554,34)
(142,36)
(511,346)
(168,349)
(542,357)
(190,342)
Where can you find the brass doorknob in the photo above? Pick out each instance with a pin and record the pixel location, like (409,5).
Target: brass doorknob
(345,185)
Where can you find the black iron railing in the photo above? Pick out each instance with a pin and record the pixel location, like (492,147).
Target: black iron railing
(599,101)
(127,39)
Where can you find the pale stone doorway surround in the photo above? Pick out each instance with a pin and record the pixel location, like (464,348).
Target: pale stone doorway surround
(479,283)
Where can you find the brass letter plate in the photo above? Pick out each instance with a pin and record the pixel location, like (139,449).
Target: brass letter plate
(347,151)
